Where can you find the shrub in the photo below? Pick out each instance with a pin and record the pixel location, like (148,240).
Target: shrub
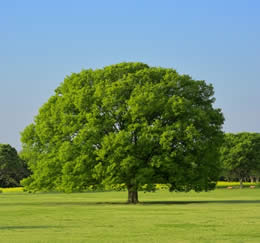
(235,184)
(12,189)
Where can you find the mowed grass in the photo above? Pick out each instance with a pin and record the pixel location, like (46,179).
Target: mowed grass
(219,216)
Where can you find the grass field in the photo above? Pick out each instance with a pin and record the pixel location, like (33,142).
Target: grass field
(219,216)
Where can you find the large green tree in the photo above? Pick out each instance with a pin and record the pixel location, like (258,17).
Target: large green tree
(12,167)
(240,155)
(125,124)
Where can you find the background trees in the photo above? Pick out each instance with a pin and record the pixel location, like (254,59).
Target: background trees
(127,123)
(12,168)
(240,156)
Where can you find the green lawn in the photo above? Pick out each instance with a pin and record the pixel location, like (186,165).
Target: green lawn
(219,216)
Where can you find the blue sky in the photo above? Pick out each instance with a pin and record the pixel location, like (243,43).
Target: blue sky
(43,41)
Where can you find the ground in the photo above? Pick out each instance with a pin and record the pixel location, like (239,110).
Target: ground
(219,216)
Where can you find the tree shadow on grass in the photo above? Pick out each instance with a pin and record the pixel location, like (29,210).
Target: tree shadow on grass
(30,227)
(201,202)
(73,203)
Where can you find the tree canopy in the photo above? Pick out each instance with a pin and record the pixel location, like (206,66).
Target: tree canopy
(12,168)
(125,124)
(240,155)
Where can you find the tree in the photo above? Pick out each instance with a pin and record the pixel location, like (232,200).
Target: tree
(12,168)
(255,172)
(127,123)
(240,155)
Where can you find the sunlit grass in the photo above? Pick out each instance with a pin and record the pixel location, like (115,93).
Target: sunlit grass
(218,216)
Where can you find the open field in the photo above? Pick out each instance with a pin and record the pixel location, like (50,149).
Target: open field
(219,216)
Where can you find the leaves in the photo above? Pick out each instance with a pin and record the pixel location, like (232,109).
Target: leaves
(12,167)
(240,154)
(125,124)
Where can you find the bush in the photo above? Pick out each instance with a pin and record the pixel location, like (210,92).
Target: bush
(235,184)
(11,189)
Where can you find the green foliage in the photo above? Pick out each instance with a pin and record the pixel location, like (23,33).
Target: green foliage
(236,184)
(240,155)
(125,124)
(12,168)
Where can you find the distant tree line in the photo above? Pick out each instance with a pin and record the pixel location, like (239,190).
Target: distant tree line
(12,168)
(240,157)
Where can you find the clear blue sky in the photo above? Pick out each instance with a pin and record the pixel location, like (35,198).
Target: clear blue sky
(43,41)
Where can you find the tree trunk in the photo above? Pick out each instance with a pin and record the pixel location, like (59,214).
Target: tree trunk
(132,195)
(241,183)
(257,179)
(252,179)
